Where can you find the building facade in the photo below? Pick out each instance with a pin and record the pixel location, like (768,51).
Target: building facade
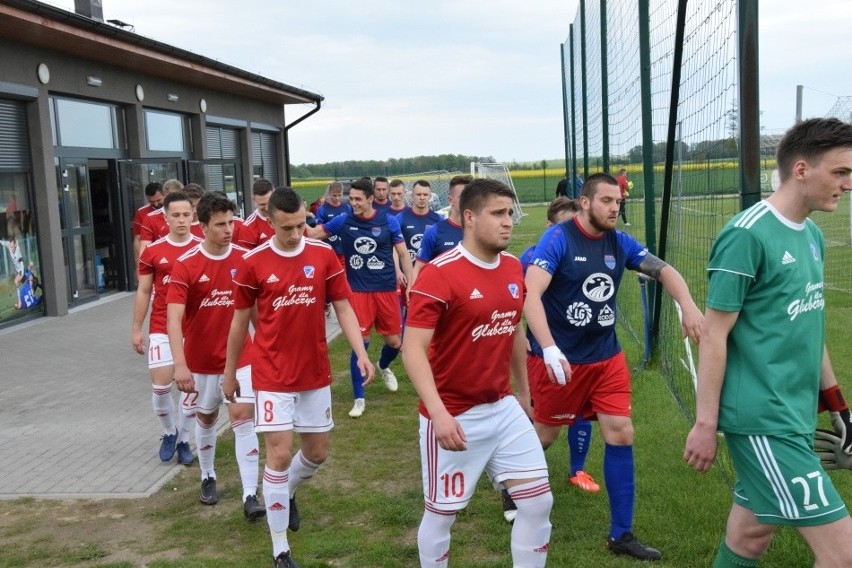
(89,115)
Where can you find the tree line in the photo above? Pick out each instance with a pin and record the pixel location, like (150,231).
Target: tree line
(390,167)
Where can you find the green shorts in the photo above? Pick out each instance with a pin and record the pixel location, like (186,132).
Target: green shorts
(780,480)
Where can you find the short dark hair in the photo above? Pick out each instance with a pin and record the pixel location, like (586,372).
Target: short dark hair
(364,185)
(380,178)
(213,202)
(559,205)
(153,188)
(193,190)
(396,183)
(261,186)
(463,179)
(477,192)
(810,139)
(422,183)
(177,195)
(590,186)
(285,199)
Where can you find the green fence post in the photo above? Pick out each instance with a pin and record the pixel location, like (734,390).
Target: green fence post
(604,90)
(585,89)
(749,106)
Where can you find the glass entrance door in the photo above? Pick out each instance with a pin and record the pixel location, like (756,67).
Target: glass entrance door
(78,233)
(133,176)
(218,175)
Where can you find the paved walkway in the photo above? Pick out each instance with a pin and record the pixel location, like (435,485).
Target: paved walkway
(75,410)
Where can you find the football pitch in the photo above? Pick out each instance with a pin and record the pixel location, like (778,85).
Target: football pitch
(364,506)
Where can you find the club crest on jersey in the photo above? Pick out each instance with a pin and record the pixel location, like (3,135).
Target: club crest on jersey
(815,252)
(376,231)
(233,272)
(514,290)
(609,260)
(365,245)
(599,287)
(309,271)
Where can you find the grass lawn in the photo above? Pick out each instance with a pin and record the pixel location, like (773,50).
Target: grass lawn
(363,508)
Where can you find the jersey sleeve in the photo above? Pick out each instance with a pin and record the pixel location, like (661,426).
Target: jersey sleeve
(245,286)
(395,230)
(178,284)
(146,233)
(733,267)
(137,222)
(333,227)
(633,249)
(427,245)
(146,262)
(550,249)
(336,287)
(429,299)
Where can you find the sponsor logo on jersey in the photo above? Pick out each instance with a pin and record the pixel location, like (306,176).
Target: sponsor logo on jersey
(416,241)
(376,231)
(353,228)
(204,278)
(296,296)
(609,260)
(165,280)
(164,260)
(218,298)
(356,262)
(309,271)
(502,323)
(813,300)
(606,317)
(272,279)
(579,259)
(277,506)
(332,238)
(475,295)
(815,252)
(514,290)
(787,258)
(374,263)
(365,245)
(579,314)
(541,263)
(599,287)
(450,243)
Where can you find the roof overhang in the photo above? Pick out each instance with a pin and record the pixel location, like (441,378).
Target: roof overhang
(45,26)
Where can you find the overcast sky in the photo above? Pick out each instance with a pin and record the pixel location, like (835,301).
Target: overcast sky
(478,77)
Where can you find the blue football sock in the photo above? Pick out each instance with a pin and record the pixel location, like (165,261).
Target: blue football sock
(357,377)
(620,484)
(388,355)
(579,442)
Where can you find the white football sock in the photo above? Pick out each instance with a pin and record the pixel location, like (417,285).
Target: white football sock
(164,407)
(301,470)
(205,442)
(531,529)
(277,499)
(246,449)
(433,539)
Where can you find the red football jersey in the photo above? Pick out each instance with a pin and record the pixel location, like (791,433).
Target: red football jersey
(158,258)
(290,289)
(203,283)
(154,225)
(474,308)
(139,218)
(256,230)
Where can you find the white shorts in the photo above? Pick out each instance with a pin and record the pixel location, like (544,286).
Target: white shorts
(244,380)
(159,351)
(209,393)
(501,442)
(307,412)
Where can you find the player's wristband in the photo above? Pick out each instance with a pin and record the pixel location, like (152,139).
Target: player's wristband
(832,399)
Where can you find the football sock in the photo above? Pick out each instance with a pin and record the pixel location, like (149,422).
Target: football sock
(621,486)
(186,418)
(357,377)
(164,406)
(205,443)
(579,441)
(277,499)
(246,449)
(727,558)
(388,355)
(531,529)
(433,538)
(301,470)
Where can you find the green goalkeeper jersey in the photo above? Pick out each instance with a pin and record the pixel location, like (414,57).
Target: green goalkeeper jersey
(771,271)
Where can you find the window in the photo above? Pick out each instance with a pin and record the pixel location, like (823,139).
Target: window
(165,131)
(85,124)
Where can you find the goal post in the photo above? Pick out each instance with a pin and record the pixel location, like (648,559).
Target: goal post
(501,173)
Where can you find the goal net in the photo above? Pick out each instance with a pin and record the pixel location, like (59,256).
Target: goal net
(501,173)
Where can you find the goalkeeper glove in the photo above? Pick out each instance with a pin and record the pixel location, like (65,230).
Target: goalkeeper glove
(841,420)
(553,358)
(829,450)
